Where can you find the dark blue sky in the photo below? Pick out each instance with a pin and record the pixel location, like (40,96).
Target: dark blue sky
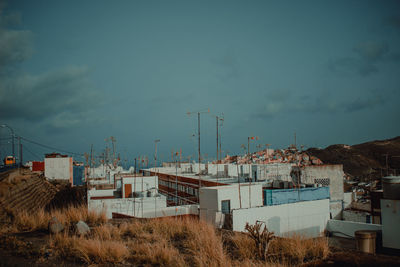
(73,73)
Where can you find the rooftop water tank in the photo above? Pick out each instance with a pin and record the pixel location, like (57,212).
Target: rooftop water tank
(391,187)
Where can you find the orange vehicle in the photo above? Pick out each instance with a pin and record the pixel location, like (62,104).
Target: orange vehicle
(9,160)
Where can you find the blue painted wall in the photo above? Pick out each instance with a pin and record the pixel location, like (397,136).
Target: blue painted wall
(285,196)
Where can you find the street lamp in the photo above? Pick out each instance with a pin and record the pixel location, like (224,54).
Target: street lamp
(155,154)
(12,136)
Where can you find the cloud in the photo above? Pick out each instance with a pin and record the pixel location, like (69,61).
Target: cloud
(58,98)
(369,101)
(371,51)
(365,59)
(393,21)
(228,66)
(36,97)
(321,103)
(15,46)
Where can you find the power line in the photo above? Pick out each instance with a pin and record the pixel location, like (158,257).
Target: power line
(32,153)
(52,148)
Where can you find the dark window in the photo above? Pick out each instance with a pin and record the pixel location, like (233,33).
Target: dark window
(226,206)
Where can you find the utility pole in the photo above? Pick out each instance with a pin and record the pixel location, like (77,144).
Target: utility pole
(248,143)
(248,146)
(155,154)
(91,159)
(199,153)
(20,151)
(217,138)
(12,137)
(219,118)
(387,166)
(155,179)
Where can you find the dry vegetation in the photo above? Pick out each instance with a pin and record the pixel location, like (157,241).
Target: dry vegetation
(38,220)
(163,242)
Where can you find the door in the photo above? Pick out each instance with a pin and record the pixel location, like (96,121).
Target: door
(128,190)
(226,206)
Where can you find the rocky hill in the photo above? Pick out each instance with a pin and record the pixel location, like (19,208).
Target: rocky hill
(366,161)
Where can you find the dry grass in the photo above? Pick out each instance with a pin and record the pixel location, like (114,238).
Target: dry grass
(38,220)
(298,249)
(290,251)
(164,242)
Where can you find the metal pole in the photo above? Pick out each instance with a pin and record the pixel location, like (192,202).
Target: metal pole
(155,180)
(176,184)
(12,137)
(220,146)
(198,126)
(248,146)
(134,192)
(20,151)
(217,139)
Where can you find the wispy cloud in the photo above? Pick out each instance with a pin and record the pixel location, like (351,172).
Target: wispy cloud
(320,103)
(365,59)
(57,98)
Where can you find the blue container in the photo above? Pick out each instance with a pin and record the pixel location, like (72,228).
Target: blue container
(285,196)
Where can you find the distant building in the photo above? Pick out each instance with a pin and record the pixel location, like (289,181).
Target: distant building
(57,166)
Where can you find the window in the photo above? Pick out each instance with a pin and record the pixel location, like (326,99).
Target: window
(226,206)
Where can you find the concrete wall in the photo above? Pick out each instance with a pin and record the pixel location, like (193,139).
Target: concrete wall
(356,216)
(320,173)
(347,199)
(142,184)
(173,211)
(273,171)
(307,218)
(211,197)
(100,193)
(327,175)
(129,206)
(58,168)
(347,228)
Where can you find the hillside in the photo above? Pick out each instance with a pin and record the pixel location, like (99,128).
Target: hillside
(366,161)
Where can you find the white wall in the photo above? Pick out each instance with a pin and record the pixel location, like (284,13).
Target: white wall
(173,211)
(129,206)
(100,193)
(58,168)
(390,223)
(307,218)
(211,197)
(347,199)
(347,228)
(143,183)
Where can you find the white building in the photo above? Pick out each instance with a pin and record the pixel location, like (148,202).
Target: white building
(58,166)
(233,206)
(135,197)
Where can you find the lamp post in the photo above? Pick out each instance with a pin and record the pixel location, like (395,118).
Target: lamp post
(12,137)
(155,179)
(155,154)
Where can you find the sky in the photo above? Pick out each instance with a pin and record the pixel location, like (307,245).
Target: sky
(74,73)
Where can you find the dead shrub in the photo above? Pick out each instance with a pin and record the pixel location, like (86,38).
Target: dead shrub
(261,238)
